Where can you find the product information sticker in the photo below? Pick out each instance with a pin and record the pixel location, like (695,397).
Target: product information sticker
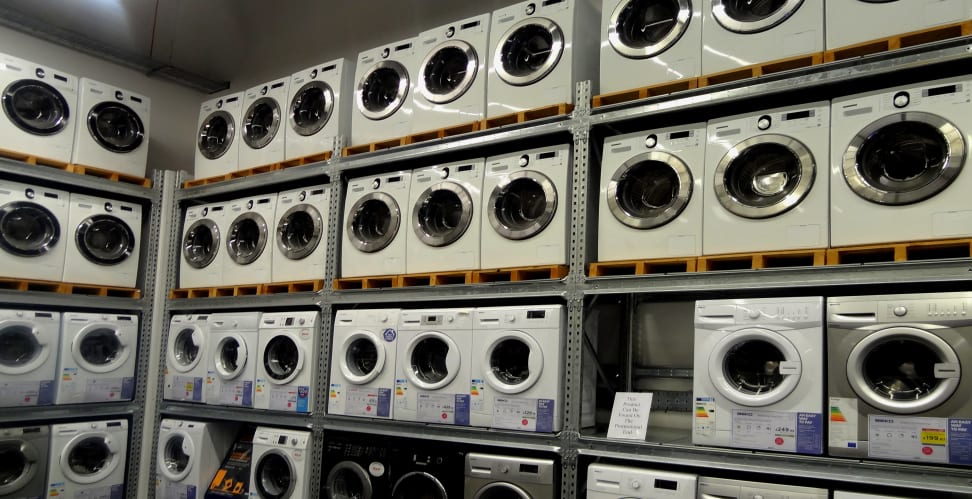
(368,402)
(523,414)
(906,438)
(443,408)
(800,432)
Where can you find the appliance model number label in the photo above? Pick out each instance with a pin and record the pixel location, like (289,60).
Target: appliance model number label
(369,402)
(523,414)
(934,440)
(443,408)
(800,432)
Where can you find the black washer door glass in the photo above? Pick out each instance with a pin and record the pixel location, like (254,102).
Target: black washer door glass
(185,349)
(176,459)
(216,135)
(440,215)
(229,355)
(527,50)
(299,233)
(502,491)
(903,156)
(261,123)
(347,483)
(200,246)
(35,107)
(523,205)
(753,367)
(18,346)
(28,229)
(748,11)
(100,347)
(105,240)
(647,188)
(245,238)
(373,222)
(510,362)
(274,478)
(362,357)
(763,175)
(901,369)
(311,108)
(13,464)
(380,89)
(89,456)
(418,486)
(446,71)
(429,360)
(116,127)
(281,357)
(643,23)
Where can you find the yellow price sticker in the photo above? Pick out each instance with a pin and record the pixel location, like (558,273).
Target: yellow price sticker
(933,437)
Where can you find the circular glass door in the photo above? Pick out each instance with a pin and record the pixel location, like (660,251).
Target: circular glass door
(348,480)
(18,465)
(246,238)
(299,231)
(275,476)
(764,176)
(754,367)
(373,222)
(748,16)
(282,359)
(100,349)
(36,107)
(448,71)
(261,122)
(216,135)
(176,456)
(645,28)
(364,358)
(417,484)
(433,360)
(201,243)
(185,347)
(104,239)
(311,108)
(230,358)
(21,350)
(382,90)
(28,229)
(522,205)
(515,362)
(89,458)
(116,127)
(501,490)
(649,190)
(442,214)
(530,50)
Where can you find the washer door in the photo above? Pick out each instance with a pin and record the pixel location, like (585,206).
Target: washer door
(442,214)
(501,490)
(747,16)
(276,476)
(311,107)
(89,458)
(36,107)
(104,239)
(363,359)
(419,484)
(22,348)
(185,346)
(216,135)
(18,465)
(433,360)
(522,204)
(514,362)
(649,190)
(754,367)
(246,238)
(299,231)
(382,90)
(28,229)
(231,356)
(283,358)
(348,479)
(448,72)
(373,222)
(764,176)
(529,50)
(200,245)
(177,455)
(261,122)
(100,348)
(904,158)
(903,370)
(116,127)
(645,28)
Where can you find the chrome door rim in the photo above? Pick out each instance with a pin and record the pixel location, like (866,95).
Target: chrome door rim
(187,245)
(503,487)
(379,243)
(227,140)
(472,68)
(233,241)
(663,214)
(355,469)
(788,8)
(29,453)
(52,228)
(317,126)
(550,209)
(465,218)
(271,132)
(400,93)
(122,252)
(137,132)
(261,478)
(556,48)
(62,108)
(294,253)
(682,21)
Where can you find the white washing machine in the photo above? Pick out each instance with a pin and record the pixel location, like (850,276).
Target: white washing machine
(489,475)
(33,225)
(740,489)
(646,42)
(375,210)
(651,194)
(382,92)
(263,139)
(24,468)
(189,454)
(106,240)
(286,374)
(897,155)
(185,359)
(281,464)
(526,198)
(320,108)
(435,350)
(847,19)
(88,459)
(29,342)
(363,357)
(97,361)
(737,34)
(609,481)
(217,147)
(231,371)
(445,223)
(538,51)
(249,240)
(766,182)
(39,109)
(517,371)
(113,131)
(203,229)
(300,234)
(450,74)
(759,374)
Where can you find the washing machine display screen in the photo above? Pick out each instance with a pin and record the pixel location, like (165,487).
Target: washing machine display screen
(417,485)
(186,349)
(116,127)
(510,362)
(201,244)
(28,229)
(281,358)
(362,357)
(901,369)
(105,240)
(650,193)
(176,459)
(260,123)
(89,456)
(100,347)
(274,477)
(428,362)
(14,465)
(247,238)
(35,107)
(523,207)
(374,223)
(448,72)
(644,28)
(530,51)
(764,179)
(753,367)
(216,135)
(18,346)
(299,231)
(229,358)
(442,214)
(311,107)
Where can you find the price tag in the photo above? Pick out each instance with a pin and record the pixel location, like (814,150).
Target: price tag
(935,436)
(629,416)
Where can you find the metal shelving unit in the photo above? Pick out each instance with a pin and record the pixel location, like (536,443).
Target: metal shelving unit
(10,168)
(181,410)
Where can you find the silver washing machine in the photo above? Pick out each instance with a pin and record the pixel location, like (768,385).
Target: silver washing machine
(23,461)
(490,476)
(723,488)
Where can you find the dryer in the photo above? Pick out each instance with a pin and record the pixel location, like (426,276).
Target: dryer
(105,243)
(768,187)
(847,19)
(420,468)
(525,202)
(30,342)
(203,230)
(33,223)
(286,375)
(300,235)
(97,357)
(355,465)
(261,133)
(489,475)
(24,468)
(231,371)
(113,133)
(445,224)
(759,374)
(185,359)
(319,113)
(375,210)
(189,454)
(740,489)
(538,51)
(217,147)
(609,481)
(39,109)
(282,464)
(651,194)
(363,363)
(383,85)
(88,459)
(897,155)
(249,253)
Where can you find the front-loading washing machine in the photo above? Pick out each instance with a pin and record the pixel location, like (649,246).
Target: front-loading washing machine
(282,464)
(759,374)
(39,109)
(768,188)
(24,466)
(897,367)
(525,205)
(647,42)
(363,360)
(286,371)
(29,345)
(231,371)
(217,147)
(33,226)
(848,20)
(420,468)
(609,481)
(113,131)
(261,133)
(249,241)
(300,234)
(651,194)
(203,229)
(435,350)
(97,360)
(538,51)
(741,489)
(897,154)
(186,357)
(375,208)
(355,465)
(88,459)
(320,108)
(189,453)
(382,92)
(445,224)
(450,74)
(490,475)
(105,242)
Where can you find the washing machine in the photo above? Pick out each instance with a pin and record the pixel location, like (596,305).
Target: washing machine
(526,198)
(768,187)
(231,371)
(286,372)
(29,342)
(608,481)
(450,74)
(375,208)
(897,155)
(445,224)
(426,469)
(517,372)
(435,350)
(185,360)
(896,371)
(33,220)
(759,374)
(320,108)
(263,140)
(363,358)
(203,230)
(189,454)
(106,240)
(97,360)
(39,109)
(489,475)
(249,253)
(24,467)
(88,459)
(847,19)
(217,148)
(382,92)
(647,42)
(115,131)
(355,465)
(538,51)
(651,194)
(737,34)
(741,489)
(281,464)
(300,236)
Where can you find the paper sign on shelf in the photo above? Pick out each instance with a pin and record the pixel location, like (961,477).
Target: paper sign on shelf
(629,416)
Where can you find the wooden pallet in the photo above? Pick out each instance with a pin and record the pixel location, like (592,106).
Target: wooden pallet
(442,133)
(910,39)
(528,115)
(516,274)
(216,291)
(68,288)
(32,159)
(231,175)
(306,160)
(643,267)
(762,69)
(452,277)
(763,260)
(368,282)
(436,278)
(900,252)
(292,287)
(375,146)
(645,92)
(93,171)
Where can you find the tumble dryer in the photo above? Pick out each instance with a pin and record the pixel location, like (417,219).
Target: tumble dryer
(286,373)
(363,356)
(847,20)
(88,459)
(249,256)
(24,467)
(29,342)
(426,469)
(383,85)
(282,464)
(105,243)
(768,187)
(97,361)
(217,147)
(113,132)
(189,454)
(185,359)
(201,264)
(39,109)
(375,208)
(300,234)
(759,374)
(608,481)
(897,155)
(489,475)
(319,113)
(231,371)
(33,224)
(263,140)
(355,465)
(651,194)
(741,489)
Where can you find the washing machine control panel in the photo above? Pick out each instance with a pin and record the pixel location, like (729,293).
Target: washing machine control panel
(920,310)
(778,313)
